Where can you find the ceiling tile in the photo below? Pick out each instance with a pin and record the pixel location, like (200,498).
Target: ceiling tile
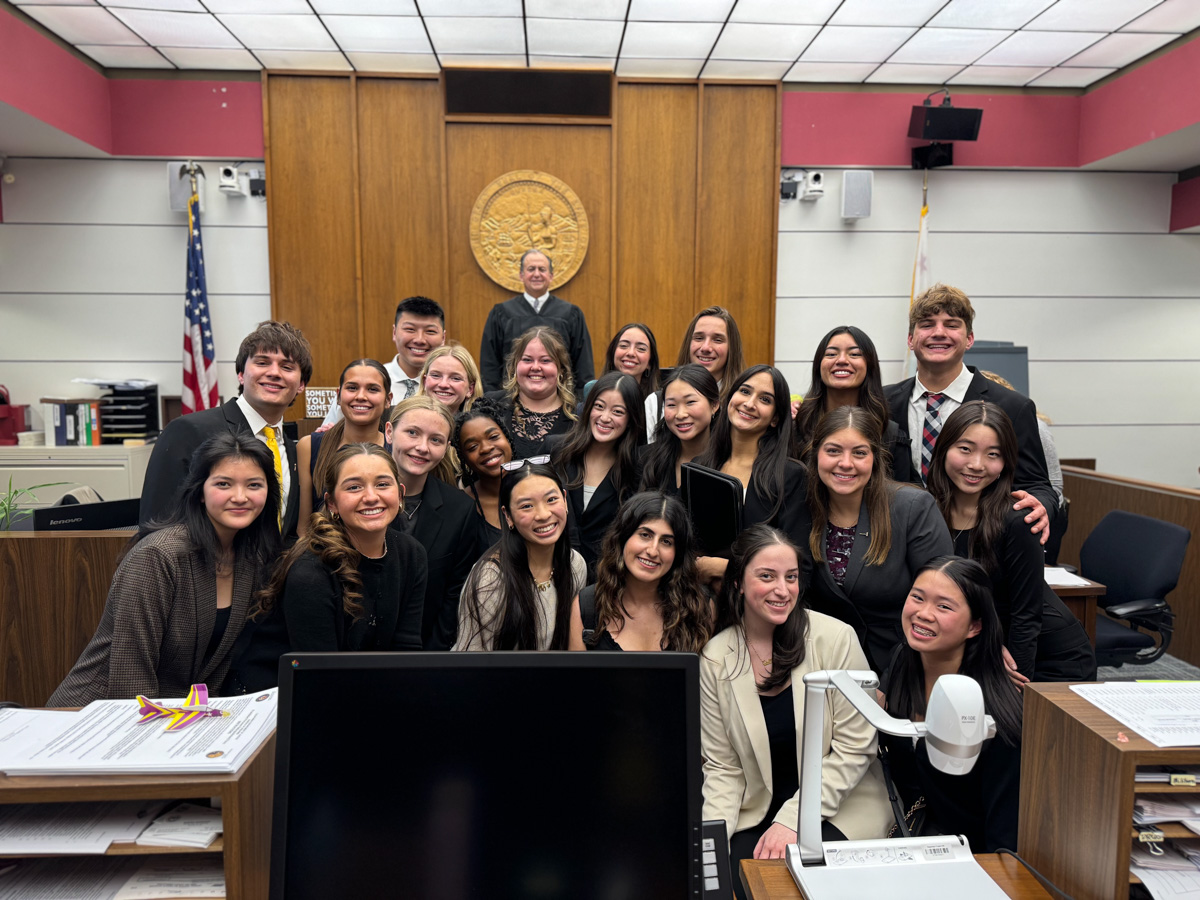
(1172,16)
(483,60)
(126,57)
(767,42)
(669,40)
(174,5)
(840,72)
(472,8)
(679,10)
(176,29)
(329,60)
(604,64)
(659,68)
(279,32)
(54,2)
(1119,49)
(990,14)
(394,62)
(1089,15)
(1070,77)
(911,73)
(365,7)
(885,12)
(84,25)
(260,7)
(476,35)
(211,58)
(741,68)
(1039,48)
(576,9)
(844,43)
(948,45)
(573,37)
(797,12)
(1006,75)
(383,34)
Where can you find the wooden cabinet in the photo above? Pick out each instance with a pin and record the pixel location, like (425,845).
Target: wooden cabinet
(1077,791)
(115,471)
(246,798)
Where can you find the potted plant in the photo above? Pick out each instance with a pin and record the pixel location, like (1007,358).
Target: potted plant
(10,500)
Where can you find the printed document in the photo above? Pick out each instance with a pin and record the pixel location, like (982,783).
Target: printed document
(1165,713)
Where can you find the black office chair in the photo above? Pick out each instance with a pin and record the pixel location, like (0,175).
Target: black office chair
(1139,560)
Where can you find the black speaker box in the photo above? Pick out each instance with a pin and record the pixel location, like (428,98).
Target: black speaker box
(944,123)
(525,92)
(933,156)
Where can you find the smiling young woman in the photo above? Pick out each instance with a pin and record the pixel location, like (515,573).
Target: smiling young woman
(691,401)
(451,377)
(181,594)
(712,340)
(484,445)
(538,398)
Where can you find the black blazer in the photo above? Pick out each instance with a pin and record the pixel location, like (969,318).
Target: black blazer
(1031,473)
(446,528)
(172,456)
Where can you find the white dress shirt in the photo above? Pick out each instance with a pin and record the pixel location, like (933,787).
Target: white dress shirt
(955,391)
(537,302)
(258,425)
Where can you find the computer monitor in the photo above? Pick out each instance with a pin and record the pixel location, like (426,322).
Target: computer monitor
(487,776)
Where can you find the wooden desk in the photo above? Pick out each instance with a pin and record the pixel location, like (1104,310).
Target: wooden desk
(1082,601)
(769,879)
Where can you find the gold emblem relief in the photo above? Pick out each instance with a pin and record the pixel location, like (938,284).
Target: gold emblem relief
(528,210)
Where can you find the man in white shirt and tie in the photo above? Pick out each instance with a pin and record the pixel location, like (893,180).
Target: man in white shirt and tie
(273,364)
(418,330)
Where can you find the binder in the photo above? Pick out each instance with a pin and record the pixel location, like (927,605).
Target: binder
(714,501)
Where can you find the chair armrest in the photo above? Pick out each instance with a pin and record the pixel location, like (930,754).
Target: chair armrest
(1136,607)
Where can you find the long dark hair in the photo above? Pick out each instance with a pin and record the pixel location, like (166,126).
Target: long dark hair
(574,447)
(333,439)
(787,642)
(328,540)
(870,392)
(659,458)
(734,360)
(686,612)
(259,540)
(514,623)
(774,445)
(994,501)
(876,495)
(649,380)
(982,659)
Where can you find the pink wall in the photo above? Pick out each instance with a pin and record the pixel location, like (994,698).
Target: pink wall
(1185,204)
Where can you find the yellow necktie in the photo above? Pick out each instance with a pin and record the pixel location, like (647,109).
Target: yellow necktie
(273,443)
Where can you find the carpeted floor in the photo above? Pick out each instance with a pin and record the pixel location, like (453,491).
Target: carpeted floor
(1168,668)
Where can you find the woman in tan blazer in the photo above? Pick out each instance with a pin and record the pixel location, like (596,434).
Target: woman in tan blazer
(752,709)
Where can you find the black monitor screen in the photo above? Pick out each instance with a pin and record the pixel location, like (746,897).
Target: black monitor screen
(480,776)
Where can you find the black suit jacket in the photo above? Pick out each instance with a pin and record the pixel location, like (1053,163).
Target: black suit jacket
(509,320)
(1031,473)
(446,528)
(172,456)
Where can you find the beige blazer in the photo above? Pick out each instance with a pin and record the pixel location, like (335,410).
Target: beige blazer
(737,753)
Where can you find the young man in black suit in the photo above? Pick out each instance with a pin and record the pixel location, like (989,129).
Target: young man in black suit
(537,306)
(273,364)
(939,334)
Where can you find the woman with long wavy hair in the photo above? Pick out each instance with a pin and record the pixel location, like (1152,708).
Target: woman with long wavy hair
(351,583)
(519,595)
(647,594)
(538,397)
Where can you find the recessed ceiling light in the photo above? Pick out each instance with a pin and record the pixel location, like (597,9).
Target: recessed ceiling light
(1004,75)
(1119,49)
(365,7)
(1070,78)
(573,37)
(416,63)
(260,7)
(767,42)
(84,24)
(1010,14)
(1089,15)
(742,68)
(1038,48)
(845,43)
(839,72)
(503,8)
(772,12)
(910,73)
(576,9)
(659,68)
(126,57)
(948,45)
(325,60)
(477,35)
(384,34)
(669,40)
(1171,16)
(177,29)
(211,58)
(885,12)
(172,5)
(679,10)
(285,32)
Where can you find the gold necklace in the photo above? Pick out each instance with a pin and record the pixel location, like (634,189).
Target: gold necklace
(544,585)
(766,663)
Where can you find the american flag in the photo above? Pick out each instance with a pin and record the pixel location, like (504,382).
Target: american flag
(199,368)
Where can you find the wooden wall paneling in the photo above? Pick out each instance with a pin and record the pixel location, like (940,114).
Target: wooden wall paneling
(656,162)
(1093,495)
(400,178)
(312,217)
(580,155)
(52,592)
(738,214)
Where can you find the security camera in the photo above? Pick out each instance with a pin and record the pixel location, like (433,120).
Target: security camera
(229,181)
(814,186)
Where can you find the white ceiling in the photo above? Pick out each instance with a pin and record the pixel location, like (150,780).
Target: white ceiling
(1044,43)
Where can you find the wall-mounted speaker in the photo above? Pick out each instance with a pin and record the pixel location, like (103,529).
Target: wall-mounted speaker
(857,185)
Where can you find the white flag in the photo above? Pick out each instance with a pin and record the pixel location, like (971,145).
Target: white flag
(922,280)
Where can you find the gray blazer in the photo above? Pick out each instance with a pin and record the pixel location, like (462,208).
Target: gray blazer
(872,597)
(156,625)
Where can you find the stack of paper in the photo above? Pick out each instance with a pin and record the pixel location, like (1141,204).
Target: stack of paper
(76,828)
(1171,859)
(1059,577)
(1149,809)
(1166,713)
(114,878)
(187,825)
(105,738)
(1170,884)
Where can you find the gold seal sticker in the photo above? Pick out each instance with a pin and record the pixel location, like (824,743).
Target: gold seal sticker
(528,210)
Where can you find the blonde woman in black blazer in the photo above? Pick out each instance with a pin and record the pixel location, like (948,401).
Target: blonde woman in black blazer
(869,535)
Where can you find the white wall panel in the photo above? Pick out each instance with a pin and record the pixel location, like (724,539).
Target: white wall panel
(1163,453)
(1114,392)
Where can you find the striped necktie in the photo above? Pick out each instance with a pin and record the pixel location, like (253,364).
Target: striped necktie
(273,444)
(929,433)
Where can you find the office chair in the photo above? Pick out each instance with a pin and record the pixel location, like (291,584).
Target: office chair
(1139,560)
